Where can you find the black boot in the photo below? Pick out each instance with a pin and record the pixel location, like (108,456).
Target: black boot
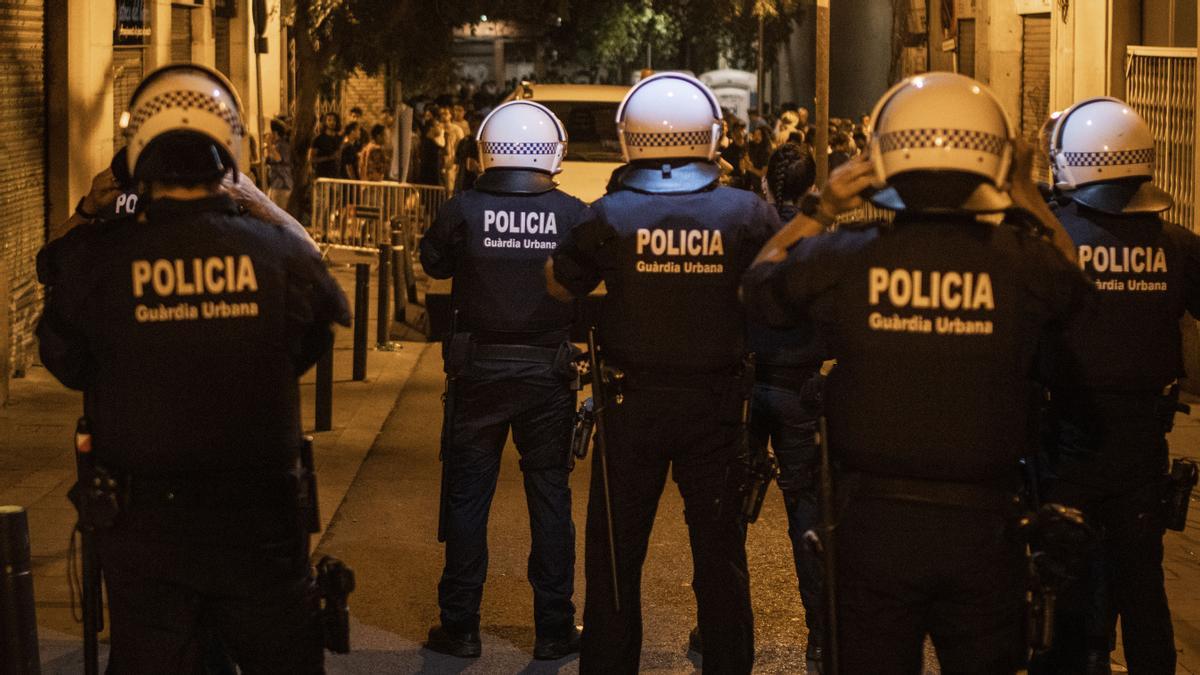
(553,649)
(694,642)
(815,657)
(463,644)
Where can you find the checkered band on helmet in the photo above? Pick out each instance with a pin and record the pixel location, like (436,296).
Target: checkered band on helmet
(1110,158)
(185,100)
(959,139)
(506,148)
(667,139)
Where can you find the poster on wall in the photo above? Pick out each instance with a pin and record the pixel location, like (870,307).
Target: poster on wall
(133,24)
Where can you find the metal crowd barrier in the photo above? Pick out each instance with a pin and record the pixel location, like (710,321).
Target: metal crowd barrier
(1160,83)
(370,223)
(352,214)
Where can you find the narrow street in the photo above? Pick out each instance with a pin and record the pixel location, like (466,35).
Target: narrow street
(386,530)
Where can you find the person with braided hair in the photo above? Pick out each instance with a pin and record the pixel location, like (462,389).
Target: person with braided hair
(791,172)
(787,399)
(785,402)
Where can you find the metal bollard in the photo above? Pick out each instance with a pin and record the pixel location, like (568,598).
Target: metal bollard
(383,313)
(18,625)
(362,310)
(324,392)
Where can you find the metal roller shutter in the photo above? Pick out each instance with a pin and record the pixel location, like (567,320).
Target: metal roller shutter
(23,171)
(181,34)
(1161,85)
(1035,83)
(221,37)
(966,47)
(128,69)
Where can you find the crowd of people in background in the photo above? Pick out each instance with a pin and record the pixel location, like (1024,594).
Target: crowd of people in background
(444,151)
(360,150)
(746,148)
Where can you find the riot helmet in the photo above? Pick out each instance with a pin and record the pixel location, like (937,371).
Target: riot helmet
(1103,158)
(669,126)
(669,116)
(183,126)
(522,135)
(941,142)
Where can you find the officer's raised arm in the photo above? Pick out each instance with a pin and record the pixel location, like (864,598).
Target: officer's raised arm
(258,205)
(101,196)
(62,344)
(842,193)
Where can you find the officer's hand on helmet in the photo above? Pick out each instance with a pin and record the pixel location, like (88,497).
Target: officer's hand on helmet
(245,193)
(844,190)
(103,193)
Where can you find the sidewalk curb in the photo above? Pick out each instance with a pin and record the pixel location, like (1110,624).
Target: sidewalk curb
(338,463)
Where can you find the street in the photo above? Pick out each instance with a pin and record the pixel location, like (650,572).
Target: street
(386,528)
(379,496)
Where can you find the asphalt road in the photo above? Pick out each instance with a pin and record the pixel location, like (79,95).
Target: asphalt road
(386,530)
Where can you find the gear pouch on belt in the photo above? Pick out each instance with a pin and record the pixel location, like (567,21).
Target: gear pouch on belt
(457,354)
(1180,483)
(1168,405)
(97,498)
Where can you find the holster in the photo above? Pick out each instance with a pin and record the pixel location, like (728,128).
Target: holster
(581,433)
(308,506)
(99,497)
(1168,405)
(335,581)
(1056,539)
(1178,494)
(749,475)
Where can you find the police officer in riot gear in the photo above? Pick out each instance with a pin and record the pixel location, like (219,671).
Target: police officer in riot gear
(671,247)
(1112,377)
(512,366)
(787,395)
(934,321)
(187,327)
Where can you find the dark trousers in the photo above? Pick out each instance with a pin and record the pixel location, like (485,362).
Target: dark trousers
(1110,457)
(1123,578)
(540,413)
(693,434)
(907,570)
(180,595)
(781,416)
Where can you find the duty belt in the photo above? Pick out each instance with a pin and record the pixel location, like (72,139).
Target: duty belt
(785,377)
(520,353)
(938,493)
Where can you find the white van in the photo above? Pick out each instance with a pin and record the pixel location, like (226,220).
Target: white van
(589,112)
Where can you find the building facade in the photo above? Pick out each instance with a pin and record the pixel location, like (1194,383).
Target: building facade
(68,69)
